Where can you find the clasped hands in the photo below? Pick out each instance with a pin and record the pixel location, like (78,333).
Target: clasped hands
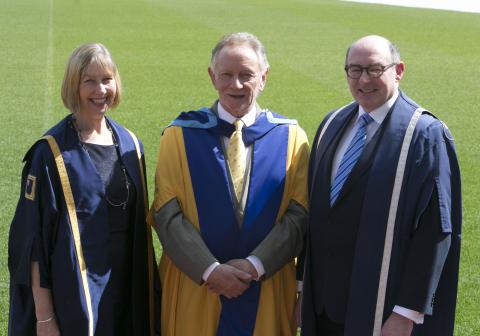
(232,278)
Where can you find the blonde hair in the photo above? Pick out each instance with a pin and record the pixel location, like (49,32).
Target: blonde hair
(81,58)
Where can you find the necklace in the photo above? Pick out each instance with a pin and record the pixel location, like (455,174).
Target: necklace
(123,204)
(124,171)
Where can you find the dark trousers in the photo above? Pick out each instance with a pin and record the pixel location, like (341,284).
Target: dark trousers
(327,327)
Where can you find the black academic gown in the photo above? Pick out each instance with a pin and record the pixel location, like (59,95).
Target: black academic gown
(352,232)
(41,231)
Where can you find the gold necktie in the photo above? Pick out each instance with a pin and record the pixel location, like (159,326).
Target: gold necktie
(236,154)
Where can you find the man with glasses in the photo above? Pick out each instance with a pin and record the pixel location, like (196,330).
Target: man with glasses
(385,210)
(230,206)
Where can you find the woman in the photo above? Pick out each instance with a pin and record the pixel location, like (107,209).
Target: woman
(80,252)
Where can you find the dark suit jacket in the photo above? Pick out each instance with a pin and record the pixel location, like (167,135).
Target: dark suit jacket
(345,242)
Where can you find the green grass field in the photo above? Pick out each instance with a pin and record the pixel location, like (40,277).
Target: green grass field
(162,48)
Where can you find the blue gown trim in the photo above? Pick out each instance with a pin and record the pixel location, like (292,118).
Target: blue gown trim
(219,228)
(203,118)
(274,119)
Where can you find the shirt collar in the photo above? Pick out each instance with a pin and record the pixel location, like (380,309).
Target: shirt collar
(248,119)
(379,114)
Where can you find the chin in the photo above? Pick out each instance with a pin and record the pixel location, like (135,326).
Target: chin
(237,111)
(98,114)
(368,105)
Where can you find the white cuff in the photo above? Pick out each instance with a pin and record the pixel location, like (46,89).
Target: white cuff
(209,270)
(299,286)
(410,314)
(258,265)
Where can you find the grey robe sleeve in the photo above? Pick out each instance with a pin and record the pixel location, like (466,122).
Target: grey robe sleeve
(281,245)
(182,242)
(426,256)
(285,240)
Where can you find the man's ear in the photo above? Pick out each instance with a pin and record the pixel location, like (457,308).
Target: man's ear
(212,75)
(264,79)
(399,70)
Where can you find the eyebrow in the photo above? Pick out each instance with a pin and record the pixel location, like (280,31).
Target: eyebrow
(369,65)
(102,75)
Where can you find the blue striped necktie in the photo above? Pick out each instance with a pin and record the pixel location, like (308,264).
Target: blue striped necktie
(350,158)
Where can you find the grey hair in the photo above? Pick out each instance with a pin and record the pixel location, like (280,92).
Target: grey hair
(394,53)
(240,38)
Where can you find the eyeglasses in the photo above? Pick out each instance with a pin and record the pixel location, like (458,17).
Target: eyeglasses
(373,71)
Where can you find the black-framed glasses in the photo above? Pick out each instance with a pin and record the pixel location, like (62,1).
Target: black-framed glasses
(373,71)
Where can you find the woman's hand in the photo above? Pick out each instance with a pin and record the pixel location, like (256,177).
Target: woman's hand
(48,328)
(44,310)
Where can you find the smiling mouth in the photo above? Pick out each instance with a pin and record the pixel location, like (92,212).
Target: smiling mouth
(236,96)
(364,91)
(99,100)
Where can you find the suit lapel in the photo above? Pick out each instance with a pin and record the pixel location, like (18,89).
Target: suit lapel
(331,137)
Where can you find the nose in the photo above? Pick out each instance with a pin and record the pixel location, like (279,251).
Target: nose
(101,88)
(236,82)
(364,77)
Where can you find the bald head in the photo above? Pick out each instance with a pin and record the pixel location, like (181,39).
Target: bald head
(374,70)
(378,43)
